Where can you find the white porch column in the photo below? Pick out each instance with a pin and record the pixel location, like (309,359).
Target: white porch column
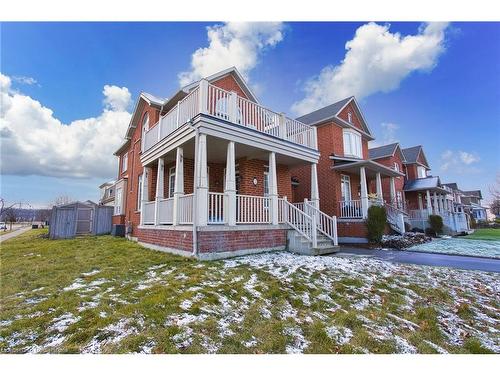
(273,188)
(201,181)
(230,186)
(282,127)
(393,191)
(379,186)
(436,205)
(144,190)
(364,193)
(429,203)
(159,188)
(178,183)
(314,185)
(440,203)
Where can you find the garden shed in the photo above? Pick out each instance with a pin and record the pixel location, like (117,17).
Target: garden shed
(80,218)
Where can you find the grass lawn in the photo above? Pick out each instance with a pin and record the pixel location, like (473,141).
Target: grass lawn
(485,234)
(109,295)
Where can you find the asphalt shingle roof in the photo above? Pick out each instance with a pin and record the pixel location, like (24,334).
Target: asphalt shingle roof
(323,113)
(473,193)
(421,183)
(452,185)
(411,153)
(382,151)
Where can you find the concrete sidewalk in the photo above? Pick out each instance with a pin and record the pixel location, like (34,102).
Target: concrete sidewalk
(15,233)
(428,259)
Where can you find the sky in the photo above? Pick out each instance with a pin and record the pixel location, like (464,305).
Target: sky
(68,89)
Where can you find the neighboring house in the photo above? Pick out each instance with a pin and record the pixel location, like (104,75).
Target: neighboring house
(107,196)
(208,173)
(349,182)
(472,204)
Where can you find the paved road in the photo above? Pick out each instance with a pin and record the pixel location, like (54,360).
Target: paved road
(429,259)
(15,233)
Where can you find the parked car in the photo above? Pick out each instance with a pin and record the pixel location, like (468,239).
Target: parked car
(3,226)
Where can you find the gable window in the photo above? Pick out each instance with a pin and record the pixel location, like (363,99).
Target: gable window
(171,182)
(124,162)
(421,172)
(396,166)
(145,128)
(349,117)
(352,143)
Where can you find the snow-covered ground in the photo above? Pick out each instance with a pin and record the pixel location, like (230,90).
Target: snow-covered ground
(277,302)
(461,246)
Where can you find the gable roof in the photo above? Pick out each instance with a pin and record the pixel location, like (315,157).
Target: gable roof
(411,155)
(427,183)
(473,193)
(229,71)
(452,185)
(382,151)
(331,112)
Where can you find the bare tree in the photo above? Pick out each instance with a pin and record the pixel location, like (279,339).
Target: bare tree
(4,208)
(62,199)
(10,216)
(495,200)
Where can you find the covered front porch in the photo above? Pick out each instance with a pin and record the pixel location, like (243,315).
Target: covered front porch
(362,172)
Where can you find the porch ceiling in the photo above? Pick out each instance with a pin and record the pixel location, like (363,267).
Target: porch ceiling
(217,148)
(371,168)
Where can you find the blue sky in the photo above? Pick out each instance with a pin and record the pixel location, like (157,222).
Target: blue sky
(450,105)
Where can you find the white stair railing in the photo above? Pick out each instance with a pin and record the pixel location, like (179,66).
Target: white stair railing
(395,218)
(324,223)
(301,222)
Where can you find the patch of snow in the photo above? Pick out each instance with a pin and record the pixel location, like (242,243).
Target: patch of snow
(183,339)
(148,347)
(186,304)
(112,334)
(250,286)
(299,341)
(34,300)
(340,335)
(439,349)
(250,343)
(77,284)
(403,346)
(91,273)
(62,322)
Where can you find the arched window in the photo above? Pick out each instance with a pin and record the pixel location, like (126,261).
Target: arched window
(145,128)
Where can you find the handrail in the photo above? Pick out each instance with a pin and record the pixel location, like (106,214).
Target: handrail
(301,222)
(325,224)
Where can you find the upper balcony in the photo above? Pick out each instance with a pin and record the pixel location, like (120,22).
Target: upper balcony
(210,100)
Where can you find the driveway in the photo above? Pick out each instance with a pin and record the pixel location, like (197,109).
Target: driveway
(428,259)
(13,234)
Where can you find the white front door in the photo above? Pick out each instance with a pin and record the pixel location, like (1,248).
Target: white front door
(345,186)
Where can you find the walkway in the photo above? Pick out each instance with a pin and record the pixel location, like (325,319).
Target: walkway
(428,259)
(15,233)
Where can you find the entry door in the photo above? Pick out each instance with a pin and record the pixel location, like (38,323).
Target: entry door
(84,220)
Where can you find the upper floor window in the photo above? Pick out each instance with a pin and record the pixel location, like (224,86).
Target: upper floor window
(349,117)
(421,172)
(352,143)
(145,128)
(124,162)
(396,166)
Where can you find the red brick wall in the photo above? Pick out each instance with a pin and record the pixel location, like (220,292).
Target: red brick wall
(351,229)
(386,182)
(228,83)
(118,219)
(219,241)
(356,121)
(181,240)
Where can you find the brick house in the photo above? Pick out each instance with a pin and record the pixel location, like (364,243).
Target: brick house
(207,173)
(349,180)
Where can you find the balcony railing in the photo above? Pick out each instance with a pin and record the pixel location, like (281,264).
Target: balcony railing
(225,105)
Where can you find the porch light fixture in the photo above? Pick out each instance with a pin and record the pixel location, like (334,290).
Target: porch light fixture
(255,181)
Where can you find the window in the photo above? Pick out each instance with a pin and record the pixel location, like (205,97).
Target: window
(396,166)
(352,143)
(118,201)
(345,186)
(124,162)
(139,192)
(145,128)
(349,117)
(421,172)
(266,185)
(171,182)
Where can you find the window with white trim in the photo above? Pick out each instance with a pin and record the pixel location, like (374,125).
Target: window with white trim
(352,143)
(139,192)
(171,182)
(124,162)
(345,187)
(421,172)
(396,166)
(118,201)
(349,117)
(145,128)
(266,185)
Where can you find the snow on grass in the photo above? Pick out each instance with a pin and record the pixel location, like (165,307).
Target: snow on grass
(340,335)
(62,322)
(113,333)
(34,300)
(299,342)
(91,273)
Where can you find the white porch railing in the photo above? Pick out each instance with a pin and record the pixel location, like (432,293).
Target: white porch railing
(166,210)
(252,209)
(185,209)
(228,106)
(301,222)
(351,209)
(418,214)
(216,208)
(299,205)
(148,212)
(324,223)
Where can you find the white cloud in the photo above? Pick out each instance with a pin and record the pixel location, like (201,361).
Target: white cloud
(459,162)
(25,80)
(238,44)
(34,142)
(389,131)
(376,61)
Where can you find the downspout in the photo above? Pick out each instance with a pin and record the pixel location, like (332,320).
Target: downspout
(195,200)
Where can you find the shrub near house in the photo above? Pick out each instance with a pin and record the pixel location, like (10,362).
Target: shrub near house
(375,223)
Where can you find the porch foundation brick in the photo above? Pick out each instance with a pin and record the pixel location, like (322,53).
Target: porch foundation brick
(351,229)
(118,219)
(175,239)
(224,241)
